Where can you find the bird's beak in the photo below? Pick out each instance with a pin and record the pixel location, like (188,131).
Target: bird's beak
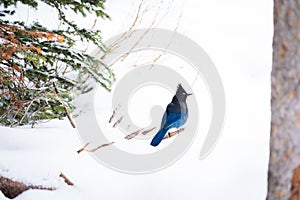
(189,94)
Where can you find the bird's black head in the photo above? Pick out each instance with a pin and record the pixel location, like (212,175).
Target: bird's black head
(181,94)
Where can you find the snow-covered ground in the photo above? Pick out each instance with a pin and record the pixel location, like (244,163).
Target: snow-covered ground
(237,35)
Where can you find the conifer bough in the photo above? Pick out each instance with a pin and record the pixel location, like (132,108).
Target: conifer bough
(33,57)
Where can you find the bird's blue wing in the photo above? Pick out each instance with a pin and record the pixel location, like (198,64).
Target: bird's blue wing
(170,108)
(173,120)
(163,121)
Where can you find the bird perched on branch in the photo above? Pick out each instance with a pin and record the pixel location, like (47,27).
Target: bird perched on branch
(175,115)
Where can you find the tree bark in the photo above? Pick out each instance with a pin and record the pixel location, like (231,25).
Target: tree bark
(285,103)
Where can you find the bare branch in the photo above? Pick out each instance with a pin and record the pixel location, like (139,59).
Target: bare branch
(83,148)
(169,135)
(64,106)
(95,149)
(67,181)
(118,122)
(132,135)
(112,116)
(148,131)
(125,35)
(25,114)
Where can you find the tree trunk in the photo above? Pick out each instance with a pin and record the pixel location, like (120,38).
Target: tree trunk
(284,174)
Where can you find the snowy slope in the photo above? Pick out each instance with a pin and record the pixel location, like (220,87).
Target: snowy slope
(37,156)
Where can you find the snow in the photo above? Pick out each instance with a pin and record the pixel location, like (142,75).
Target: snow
(237,35)
(37,156)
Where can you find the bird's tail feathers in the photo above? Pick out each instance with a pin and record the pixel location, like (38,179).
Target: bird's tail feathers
(159,137)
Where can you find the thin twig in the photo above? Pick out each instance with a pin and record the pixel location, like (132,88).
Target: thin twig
(137,16)
(148,131)
(112,116)
(132,135)
(67,181)
(4,93)
(83,148)
(28,107)
(118,122)
(114,113)
(173,133)
(92,28)
(64,106)
(125,35)
(95,149)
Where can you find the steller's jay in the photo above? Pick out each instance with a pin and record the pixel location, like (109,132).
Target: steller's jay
(175,115)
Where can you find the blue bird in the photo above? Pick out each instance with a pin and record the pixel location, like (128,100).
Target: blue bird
(175,115)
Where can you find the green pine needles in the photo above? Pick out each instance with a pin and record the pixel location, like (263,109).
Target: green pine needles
(34,59)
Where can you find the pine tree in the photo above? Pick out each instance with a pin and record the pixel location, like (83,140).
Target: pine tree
(35,62)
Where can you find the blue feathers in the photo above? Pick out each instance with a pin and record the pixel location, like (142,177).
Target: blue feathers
(175,115)
(158,137)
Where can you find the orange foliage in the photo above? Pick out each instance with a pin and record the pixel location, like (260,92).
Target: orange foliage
(49,36)
(39,50)
(9,44)
(60,38)
(12,44)
(16,68)
(21,78)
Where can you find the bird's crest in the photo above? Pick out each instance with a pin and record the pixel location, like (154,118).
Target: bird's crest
(180,89)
